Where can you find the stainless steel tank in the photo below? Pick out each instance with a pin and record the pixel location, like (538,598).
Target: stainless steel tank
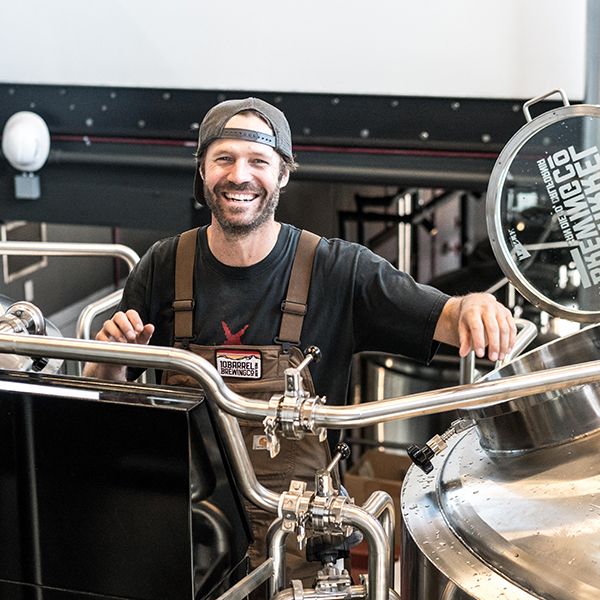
(511,509)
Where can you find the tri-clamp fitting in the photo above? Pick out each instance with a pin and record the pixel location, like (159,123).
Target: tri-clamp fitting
(292,413)
(23,317)
(319,510)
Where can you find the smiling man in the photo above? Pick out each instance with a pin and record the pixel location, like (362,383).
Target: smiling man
(249,293)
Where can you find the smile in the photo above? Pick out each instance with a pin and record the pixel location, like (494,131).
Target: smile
(239,196)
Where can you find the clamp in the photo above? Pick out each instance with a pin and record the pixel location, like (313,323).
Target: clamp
(292,414)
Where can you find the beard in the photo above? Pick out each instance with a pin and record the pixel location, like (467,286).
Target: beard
(225,217)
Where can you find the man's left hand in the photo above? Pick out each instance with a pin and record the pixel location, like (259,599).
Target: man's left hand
(475,321)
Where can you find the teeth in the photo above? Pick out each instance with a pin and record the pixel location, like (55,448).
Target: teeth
(239,197)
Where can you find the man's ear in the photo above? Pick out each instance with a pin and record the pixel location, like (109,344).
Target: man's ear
(201,170)
(284,178)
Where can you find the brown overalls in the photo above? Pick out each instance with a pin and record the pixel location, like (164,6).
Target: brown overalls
(297,459)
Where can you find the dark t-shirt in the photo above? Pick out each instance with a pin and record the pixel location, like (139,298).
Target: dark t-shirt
(357,302)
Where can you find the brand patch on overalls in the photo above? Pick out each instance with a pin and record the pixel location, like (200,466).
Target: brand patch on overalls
(239,363)
(259,442)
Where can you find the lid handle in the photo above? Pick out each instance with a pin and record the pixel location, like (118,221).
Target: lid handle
(527,104)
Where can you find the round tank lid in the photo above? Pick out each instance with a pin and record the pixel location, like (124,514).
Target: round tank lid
(543,210)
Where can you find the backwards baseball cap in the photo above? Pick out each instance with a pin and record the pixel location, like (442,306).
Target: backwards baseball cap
(213,128)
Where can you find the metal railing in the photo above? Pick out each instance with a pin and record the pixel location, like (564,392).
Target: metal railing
(86,318)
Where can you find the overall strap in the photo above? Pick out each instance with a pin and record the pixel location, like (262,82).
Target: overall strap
(294,306)
(184,286)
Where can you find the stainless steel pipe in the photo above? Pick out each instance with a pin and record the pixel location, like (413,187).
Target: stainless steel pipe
(276,537)
(357,592)
(381,506)
(332,417)
(249,583)
(84,323)
(70,249)
(240,461)
(86,318)
(379,581)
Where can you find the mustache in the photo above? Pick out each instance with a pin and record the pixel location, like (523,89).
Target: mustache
(242,187)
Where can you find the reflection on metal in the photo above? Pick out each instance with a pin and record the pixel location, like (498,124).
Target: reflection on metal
(130,257)
(68,249)
(477,395)
(126,495)
(537,421)
(467,368)
(242,588)
(493,526)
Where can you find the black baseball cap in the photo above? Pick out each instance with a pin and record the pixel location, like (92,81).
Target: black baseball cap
(213,128)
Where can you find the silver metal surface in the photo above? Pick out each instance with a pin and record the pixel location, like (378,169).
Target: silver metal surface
(275,542)
(518,271)
(379,582)
(84,322)
(552,417)
(69,249)
(249,583)
(478,395)
(381,506)
(241,465)
(356,592)
(33,323)
(527,333)
(520,527)
(469,480)
(129,255)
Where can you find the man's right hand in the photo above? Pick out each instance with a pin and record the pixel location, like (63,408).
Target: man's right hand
(125,328)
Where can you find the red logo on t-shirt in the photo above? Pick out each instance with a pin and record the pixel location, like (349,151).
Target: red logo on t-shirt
(233,339)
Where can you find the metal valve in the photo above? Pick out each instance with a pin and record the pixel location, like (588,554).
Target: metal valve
(311,354)
(342,452)
(319,511)
(323,478)
(422,456)
(292,414)
(293,379)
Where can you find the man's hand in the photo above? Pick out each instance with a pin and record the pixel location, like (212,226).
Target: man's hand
(475,321)
(126,328)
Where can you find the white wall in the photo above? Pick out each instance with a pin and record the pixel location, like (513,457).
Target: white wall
(447,48)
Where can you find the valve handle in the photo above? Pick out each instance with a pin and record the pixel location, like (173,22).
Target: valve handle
(342,452)
(314,352)
(421,457)
(311,354)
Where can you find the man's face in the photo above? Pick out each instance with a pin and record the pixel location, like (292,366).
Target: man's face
(242,179)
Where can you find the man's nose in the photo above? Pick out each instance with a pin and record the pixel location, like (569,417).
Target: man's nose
(240,172)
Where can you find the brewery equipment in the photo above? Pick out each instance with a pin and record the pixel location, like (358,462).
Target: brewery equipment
(509,509)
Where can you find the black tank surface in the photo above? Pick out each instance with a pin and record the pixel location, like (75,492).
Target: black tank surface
(115,490)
